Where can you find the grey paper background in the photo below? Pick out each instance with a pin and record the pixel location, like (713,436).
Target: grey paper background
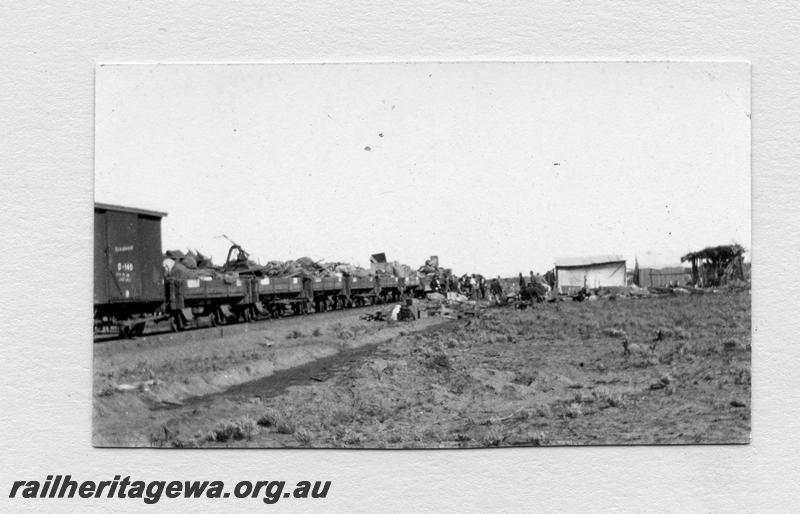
(46,149)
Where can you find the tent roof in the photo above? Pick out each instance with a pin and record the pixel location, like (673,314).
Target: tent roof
(570,262)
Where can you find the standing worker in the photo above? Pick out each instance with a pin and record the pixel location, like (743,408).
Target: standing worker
(434,284)
(496,289)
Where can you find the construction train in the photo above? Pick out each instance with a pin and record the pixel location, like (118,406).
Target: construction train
(131,288)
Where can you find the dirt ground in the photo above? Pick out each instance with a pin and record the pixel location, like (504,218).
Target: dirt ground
(556,374)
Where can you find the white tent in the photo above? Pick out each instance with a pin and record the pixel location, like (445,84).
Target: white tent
(592,272)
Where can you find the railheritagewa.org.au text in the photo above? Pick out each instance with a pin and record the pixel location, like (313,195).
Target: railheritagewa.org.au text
(153,491)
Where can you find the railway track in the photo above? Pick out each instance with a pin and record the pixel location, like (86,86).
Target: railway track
(205,330)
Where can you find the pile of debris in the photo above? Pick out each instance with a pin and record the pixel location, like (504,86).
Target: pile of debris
(192,264)
(381,267)
(304,266)
(406,311)
(395,269)
(307,267)
(452,305)
(620,292)
(431,268)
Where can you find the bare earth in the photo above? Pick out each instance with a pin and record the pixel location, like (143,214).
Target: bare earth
(552,375)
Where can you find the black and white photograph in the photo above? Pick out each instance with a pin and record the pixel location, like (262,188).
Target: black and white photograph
(421,255)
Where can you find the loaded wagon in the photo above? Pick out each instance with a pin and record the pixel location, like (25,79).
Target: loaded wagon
(131,287)
(222,299)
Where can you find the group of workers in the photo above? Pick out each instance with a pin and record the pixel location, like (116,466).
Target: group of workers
(466,284)
(535,281)
(477,286)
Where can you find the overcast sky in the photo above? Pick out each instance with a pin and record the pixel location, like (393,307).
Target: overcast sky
(496,168)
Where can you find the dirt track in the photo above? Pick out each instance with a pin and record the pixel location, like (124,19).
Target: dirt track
(535,377)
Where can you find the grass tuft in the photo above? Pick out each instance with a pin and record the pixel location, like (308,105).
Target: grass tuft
(233,430)
(303,436)
(574,410)
(279,421)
